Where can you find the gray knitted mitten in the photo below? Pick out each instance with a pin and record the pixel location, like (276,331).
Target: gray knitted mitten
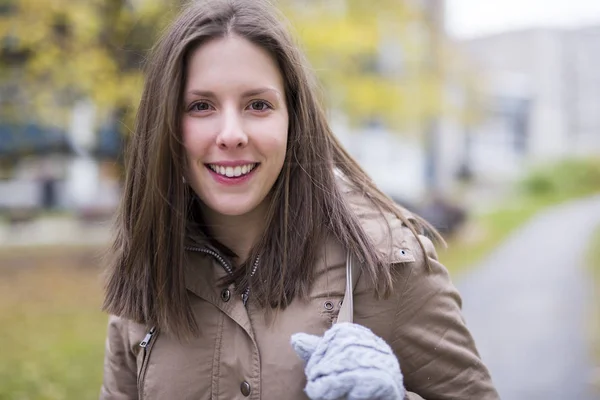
(349,363)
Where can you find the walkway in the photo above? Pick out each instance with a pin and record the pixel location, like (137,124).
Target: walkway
(526,306)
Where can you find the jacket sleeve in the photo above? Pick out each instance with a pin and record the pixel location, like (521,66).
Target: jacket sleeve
(120,370)
(437,353)
(423,323)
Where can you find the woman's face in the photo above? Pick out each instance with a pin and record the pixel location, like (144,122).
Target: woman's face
(235,124)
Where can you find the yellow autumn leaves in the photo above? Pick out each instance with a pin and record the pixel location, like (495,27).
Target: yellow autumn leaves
(371,57)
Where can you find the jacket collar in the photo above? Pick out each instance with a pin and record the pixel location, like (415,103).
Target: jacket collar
(387,233)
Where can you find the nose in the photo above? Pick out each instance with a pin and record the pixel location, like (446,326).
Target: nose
(232,134)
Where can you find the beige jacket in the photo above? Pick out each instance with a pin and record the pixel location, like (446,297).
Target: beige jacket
(239,355)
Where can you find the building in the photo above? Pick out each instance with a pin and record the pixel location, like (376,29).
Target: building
(44,168)
(542,95)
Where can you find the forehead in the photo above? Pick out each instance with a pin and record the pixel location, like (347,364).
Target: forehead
(231,61)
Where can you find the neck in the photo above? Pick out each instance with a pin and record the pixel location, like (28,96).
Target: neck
(238,232)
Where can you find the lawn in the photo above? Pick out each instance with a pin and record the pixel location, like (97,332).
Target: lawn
(544,187)
(51,328)
(483,233)
(594,263)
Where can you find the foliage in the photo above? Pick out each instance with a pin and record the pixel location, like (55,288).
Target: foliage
(57,52)
(565,178)
(373,61)
(377,64)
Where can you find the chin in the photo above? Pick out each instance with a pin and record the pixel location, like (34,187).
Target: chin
(230,210)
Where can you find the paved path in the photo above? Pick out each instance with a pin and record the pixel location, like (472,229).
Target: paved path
(526,306)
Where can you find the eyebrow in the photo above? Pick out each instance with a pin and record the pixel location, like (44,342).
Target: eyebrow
(248,93)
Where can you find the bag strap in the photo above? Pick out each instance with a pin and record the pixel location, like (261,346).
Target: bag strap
(346,313)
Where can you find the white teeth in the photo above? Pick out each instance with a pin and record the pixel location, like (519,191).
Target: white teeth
(231,172)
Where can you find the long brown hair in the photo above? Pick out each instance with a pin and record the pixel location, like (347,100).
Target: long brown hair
(146,275)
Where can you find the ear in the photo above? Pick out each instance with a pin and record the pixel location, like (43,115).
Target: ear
(305,345)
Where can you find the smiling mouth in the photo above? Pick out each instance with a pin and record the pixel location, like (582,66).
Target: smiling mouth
(232,172)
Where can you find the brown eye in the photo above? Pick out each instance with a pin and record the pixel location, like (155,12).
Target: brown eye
(259,105)
(200,106)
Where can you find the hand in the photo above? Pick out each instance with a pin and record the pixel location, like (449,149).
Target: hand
(349,363)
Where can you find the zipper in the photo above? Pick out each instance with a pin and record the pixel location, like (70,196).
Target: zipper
(227,267)
(146,344)
(246,293)
(216,255)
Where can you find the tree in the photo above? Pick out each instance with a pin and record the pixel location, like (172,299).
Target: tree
(57,52)
(371,60)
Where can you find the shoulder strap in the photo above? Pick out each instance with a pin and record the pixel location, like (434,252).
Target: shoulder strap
(346,313)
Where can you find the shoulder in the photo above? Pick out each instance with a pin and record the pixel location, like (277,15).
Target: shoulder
(408,255)
(391,236)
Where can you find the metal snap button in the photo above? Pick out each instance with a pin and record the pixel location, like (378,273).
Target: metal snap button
(328,305)
(225,295)
(245,388)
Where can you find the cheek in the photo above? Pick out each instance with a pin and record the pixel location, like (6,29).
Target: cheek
(195,138)
(274,144)
(282,140)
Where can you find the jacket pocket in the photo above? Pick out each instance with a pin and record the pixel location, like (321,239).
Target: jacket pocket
(143,359)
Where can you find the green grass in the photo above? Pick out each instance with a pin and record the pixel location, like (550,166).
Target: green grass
(594,264)
(544,186)
(51,328)
(485,232)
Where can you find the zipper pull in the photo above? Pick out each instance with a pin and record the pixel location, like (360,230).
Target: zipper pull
(144,343)
(245,296)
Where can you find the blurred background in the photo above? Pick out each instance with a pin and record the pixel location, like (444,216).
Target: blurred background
(482,117)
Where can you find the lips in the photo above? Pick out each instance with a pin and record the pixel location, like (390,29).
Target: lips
(232,171)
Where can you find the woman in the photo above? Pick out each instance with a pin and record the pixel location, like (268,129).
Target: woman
(238,211)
